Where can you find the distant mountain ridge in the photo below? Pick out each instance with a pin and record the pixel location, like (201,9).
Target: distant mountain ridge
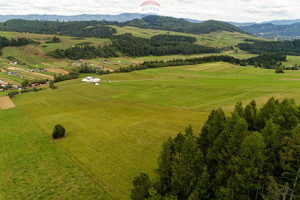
(274,31)
(85,17)
(123,17)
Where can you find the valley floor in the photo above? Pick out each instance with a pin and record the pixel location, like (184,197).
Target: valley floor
(115,130)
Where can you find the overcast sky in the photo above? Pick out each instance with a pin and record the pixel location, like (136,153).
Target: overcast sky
(225,10)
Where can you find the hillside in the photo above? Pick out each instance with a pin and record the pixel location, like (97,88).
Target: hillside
(181,25)
(101,30)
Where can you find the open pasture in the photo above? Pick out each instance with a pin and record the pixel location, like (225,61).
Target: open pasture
(115,130)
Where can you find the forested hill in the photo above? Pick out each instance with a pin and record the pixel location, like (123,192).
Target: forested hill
(181,25)
(102,30)
(76,29)
(274,31)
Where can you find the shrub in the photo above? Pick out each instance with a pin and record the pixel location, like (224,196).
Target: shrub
(58,131)
(244,64)
(278,71)
(11,94)
(51,85)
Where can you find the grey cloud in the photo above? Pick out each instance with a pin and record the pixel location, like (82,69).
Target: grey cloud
(226,10)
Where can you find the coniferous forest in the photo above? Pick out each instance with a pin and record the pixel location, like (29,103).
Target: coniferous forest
(288,47)
(251,154)
(5,42)
(75,29)
(129,45)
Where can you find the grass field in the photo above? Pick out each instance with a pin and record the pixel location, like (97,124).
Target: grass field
(115,130)
(215,39)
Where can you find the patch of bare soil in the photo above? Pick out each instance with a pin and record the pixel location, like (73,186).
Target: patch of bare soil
(6,103)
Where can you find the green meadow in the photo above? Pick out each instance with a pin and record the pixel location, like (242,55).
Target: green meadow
(218,39)
(115,130)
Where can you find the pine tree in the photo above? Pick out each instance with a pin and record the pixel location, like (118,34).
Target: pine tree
(141,188)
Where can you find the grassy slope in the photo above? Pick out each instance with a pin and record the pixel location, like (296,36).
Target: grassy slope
(34,54)
(216,39)
(115,130)
(34,167)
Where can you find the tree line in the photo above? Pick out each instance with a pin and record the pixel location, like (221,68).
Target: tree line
(174,38)
(252,154)
(85,52)
(258,47)
(265,60)
(6,42)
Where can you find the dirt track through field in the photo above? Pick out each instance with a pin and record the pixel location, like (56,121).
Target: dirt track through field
(6,103)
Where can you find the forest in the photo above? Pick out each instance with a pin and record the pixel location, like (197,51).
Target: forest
(288,47)
(100,29)
(158,45)
(132,46)
(75,29)
(84,52)
(265,60)
(181,25)
(252,154)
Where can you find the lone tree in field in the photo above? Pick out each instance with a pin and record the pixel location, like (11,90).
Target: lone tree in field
(51,85)
(58,131)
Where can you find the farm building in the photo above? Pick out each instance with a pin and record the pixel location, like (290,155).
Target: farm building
(90,79)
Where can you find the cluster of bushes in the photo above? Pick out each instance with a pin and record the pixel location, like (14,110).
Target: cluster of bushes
(252,154)
(13,93)
(295,67)
(55,39)
(279,71)
(72,75)
(84,68)
(174,38)
(31,90)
